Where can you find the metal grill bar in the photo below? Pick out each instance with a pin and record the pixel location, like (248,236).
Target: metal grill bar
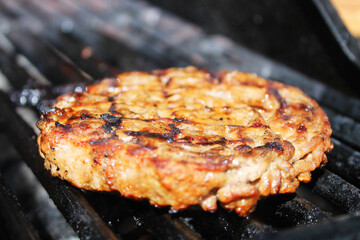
(32,87)
(345,162)
(289,210)
(346,105)
(338,191)
(224,225)
(12,219)
(127,217)
(14,73)
(55,67)
(84,55)
(344,128)
(159,224)
(344,227)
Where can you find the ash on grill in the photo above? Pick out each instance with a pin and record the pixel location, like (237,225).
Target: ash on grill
(47,49)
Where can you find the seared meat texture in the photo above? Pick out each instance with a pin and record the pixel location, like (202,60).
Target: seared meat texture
(182,137)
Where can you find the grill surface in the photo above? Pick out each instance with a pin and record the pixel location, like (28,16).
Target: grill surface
(49,49)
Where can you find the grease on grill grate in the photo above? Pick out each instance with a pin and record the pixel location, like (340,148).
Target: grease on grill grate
(48,50)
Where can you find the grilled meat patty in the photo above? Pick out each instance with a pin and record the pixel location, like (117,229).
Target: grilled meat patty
(182,137)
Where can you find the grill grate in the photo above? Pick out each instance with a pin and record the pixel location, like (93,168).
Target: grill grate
(48,49)
(12,216)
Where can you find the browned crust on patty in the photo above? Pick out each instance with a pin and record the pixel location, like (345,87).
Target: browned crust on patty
(182,137)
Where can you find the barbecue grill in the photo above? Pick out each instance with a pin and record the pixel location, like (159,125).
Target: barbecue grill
(52,47)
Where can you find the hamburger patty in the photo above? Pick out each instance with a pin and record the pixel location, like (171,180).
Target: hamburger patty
(181,137)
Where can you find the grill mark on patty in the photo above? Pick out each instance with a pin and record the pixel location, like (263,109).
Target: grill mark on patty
(221,142)
(66,128)
(169,136)
(111,99)
(112,122)
(259,125)
(99,141)
(168,82)
(224,142)
(286,117)
(272,146)
(274,92)
(182,120)
(165,93)
(110,118)
(189,139)
(243,148)
(302,128)
(165,120)
(307,108)
(112,109)
(82,117)
(258,107)
(86,116)
(147,134)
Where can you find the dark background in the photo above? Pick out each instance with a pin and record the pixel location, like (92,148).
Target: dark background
(290,32)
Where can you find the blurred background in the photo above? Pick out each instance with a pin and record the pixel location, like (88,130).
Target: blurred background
(293,33)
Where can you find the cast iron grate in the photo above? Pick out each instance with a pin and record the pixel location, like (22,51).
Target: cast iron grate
(53,47)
